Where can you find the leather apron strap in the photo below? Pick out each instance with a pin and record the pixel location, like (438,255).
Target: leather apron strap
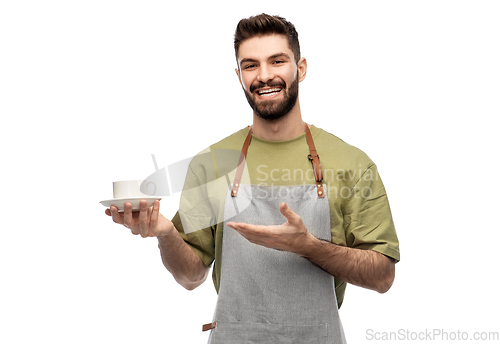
(313,157)
(241,163)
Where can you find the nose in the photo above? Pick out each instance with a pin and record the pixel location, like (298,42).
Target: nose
(265,74)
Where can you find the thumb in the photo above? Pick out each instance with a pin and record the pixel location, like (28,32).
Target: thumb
(288,213)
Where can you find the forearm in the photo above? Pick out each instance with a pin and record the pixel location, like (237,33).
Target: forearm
(364,268)
(183,263)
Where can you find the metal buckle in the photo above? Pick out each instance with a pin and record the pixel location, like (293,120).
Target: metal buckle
(310,157)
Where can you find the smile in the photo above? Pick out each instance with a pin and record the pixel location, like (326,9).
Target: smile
(269,92)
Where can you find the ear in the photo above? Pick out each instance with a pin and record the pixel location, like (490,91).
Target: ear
(238,74)
(302,69)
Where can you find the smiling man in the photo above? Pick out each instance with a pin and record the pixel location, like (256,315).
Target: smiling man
(285,243)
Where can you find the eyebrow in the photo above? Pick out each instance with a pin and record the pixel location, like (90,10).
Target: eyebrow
(269,58)
(279,55)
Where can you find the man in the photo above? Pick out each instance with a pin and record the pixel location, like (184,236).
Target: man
(303,210)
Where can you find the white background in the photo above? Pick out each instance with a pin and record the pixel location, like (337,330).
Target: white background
(90,89)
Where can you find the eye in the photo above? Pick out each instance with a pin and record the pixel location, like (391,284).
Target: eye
(249,66)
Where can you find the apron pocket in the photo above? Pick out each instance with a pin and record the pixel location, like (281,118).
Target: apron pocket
(246,333)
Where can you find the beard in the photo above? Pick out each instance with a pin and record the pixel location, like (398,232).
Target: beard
(269,109)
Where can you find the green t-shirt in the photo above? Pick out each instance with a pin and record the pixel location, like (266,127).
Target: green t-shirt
(359,210)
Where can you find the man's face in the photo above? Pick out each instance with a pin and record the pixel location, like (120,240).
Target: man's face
(269,75)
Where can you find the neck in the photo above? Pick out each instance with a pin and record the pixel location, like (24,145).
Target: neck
(284,128)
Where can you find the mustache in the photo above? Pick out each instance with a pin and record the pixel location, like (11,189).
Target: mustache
(271,83)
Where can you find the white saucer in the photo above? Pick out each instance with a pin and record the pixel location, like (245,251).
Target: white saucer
(136,201)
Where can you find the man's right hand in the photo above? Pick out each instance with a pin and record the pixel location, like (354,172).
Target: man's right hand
(148,222)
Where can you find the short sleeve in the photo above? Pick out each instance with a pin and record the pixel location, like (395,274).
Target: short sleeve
(368,222)
(195,219)
(202,241)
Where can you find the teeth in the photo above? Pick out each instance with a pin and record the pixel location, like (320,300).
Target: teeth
(269,92)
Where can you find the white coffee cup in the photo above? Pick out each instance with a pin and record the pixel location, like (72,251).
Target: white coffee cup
(128,189)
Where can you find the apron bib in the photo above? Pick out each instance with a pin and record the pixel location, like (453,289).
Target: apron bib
(268,296)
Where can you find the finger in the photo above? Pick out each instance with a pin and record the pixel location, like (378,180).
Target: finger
(240,230)
(115,215)
(256,237)
(289,214)
(153,222)
(249,228)
(236,226)
(143,219)
(128,220)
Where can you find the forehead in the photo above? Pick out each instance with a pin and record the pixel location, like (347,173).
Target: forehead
(262,47)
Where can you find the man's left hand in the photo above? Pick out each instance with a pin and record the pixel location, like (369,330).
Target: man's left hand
(290,236)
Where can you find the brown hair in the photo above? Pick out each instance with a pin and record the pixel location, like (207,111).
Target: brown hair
(264,24)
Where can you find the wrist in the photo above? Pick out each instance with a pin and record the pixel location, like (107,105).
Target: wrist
(308,245)
(167,231)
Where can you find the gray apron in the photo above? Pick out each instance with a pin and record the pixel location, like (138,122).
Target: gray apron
(272,296)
